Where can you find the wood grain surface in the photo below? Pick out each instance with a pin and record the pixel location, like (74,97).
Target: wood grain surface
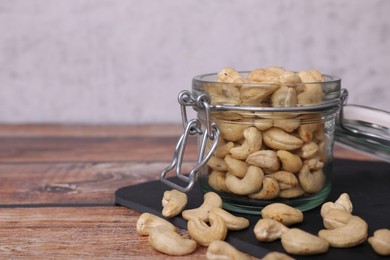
(57,187)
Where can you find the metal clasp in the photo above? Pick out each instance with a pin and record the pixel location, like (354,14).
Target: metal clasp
(192,127)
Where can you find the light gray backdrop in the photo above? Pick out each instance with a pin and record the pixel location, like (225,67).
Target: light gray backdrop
(125,61)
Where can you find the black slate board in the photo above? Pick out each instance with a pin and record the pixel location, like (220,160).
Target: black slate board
(367,183)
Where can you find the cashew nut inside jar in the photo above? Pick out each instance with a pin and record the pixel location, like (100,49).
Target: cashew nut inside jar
(276,135)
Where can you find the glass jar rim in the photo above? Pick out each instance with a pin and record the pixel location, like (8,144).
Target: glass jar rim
(331,85)
(207,79)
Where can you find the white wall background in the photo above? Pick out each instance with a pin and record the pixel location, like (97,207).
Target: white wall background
(125,61)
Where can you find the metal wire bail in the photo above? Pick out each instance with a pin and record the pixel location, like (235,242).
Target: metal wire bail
(191,127)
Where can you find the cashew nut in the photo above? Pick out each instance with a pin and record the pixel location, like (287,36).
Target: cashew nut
(380,242)
(211,200)
(306,131)
(319,134)
(283,213)
(327,206)
(267,230)
(277,256)
(148,221)
(312,93)
(204,234)
(262,124)
(218,250)
(232,222)
(298,242)
(252,143)
(285,179)
(289,77)
(335,218)
(345,201)
(310,76)
(217,164)
(173,203)
(308,150)
(277,70)
(229,75)
(290,162)
(288,124)
(353,233)
(285,76)
(314,163)
(223,93)
(217,181)
(236,167)
(227,116)
(266,159)
(324,151)
(223,148)
(311,182)
(342,203)
(284,97)
(278,139)
(293,192)
(251,182)
(255,95)
(232,131)
(270,189)
(264,75)
(167,241)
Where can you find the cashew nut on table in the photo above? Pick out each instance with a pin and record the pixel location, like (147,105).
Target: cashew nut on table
(283,213)
(299,242)
(169,242)
(205,234)
(343,229)
(211,200)
(173,203)
(148,221)
(380,241)
(232,222)
(218,250)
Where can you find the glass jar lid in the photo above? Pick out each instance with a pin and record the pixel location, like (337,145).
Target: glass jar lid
(365,129)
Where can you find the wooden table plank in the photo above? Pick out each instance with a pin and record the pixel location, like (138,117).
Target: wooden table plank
(94,149)
(72,183)
(68,232)
(57,130)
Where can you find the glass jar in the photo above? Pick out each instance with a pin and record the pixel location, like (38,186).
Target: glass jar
(261,143)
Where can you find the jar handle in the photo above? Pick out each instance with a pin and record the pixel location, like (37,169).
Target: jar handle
(192,127)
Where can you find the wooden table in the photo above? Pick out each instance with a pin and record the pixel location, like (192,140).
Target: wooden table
(57,187)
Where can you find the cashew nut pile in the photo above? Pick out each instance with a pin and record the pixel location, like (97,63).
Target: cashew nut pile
(273,226)
(342,229)
(209,224)
(267,155)
(206,224)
